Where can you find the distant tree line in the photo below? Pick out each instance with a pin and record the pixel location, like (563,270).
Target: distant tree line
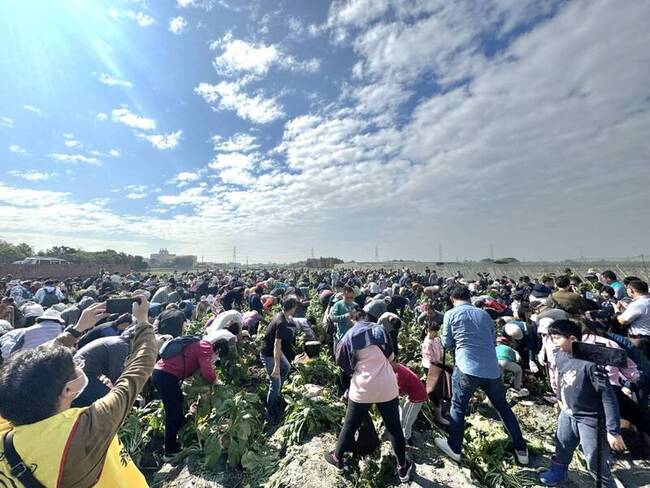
(10,253)
(500,260)
(321,262)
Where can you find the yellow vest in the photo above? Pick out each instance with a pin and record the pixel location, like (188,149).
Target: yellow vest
(43,446)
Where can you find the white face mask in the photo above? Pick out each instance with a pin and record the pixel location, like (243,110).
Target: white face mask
(85,384)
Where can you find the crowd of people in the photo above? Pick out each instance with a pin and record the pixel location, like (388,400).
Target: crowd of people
(72,367)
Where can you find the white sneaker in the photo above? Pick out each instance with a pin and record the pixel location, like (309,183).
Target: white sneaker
(522,457)
(522,393)
(532,365)
(442,444)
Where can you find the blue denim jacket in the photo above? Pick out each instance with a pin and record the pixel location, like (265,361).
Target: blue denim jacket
(470,331)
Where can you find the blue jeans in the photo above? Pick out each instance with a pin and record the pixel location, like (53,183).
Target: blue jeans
(463,387)
(275,385)
(569,434)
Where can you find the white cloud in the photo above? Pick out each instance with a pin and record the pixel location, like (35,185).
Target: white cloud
(32,175)
(229,96)
(163,141)
(115,153)
(141,18)
(234,168)
(32,108)
(136,196)
(356,12)
(296,27)
(309,65)
(184,178)
(537,132)
(101,116)
(126,117)
(191,196)
(15,148)
(73,143)
(315,30)
(177,25)
(239,56)
(109,80)
(238,143)
(75,158)
(204,4)
(7,122)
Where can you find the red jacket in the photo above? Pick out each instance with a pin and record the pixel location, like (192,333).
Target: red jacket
(197,355)
(499,307)
(409,384)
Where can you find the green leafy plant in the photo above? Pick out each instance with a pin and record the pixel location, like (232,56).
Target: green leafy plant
(227,421)
(138,428)
(486,455)
(321,371)
(306,416)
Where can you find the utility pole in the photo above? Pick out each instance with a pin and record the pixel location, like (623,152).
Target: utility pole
(312,253)
(376,254)
(234,255)
(246,262)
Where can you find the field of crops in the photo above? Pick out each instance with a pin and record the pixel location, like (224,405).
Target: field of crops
(227,443)
(469,269)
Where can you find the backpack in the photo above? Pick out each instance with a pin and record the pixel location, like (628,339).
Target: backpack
(11,343)
(555,304)
(49,299)
(330,327)
(176,346)
(366,441)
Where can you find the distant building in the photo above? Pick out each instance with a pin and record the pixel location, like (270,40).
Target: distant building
(164,258)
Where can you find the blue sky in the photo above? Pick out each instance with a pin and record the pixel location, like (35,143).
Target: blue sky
(282,126)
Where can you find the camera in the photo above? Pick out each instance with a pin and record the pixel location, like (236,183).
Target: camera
(599,354)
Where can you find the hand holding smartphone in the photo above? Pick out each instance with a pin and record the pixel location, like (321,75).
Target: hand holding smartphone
(121,305)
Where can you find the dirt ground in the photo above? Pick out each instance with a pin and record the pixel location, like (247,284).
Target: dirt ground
(304,466)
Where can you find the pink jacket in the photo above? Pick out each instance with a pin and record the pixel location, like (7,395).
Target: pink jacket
(431,352)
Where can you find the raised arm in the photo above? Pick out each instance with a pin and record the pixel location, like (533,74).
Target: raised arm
(102,419)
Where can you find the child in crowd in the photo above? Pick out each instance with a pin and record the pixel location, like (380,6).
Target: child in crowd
(431,347)
(580,402)
(607,298)
(547,353)
(416,394)
(508,361)
(433,355)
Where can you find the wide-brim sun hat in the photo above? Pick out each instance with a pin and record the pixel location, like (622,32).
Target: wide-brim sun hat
(51,315)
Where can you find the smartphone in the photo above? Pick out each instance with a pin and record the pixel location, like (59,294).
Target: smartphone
(120,305)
